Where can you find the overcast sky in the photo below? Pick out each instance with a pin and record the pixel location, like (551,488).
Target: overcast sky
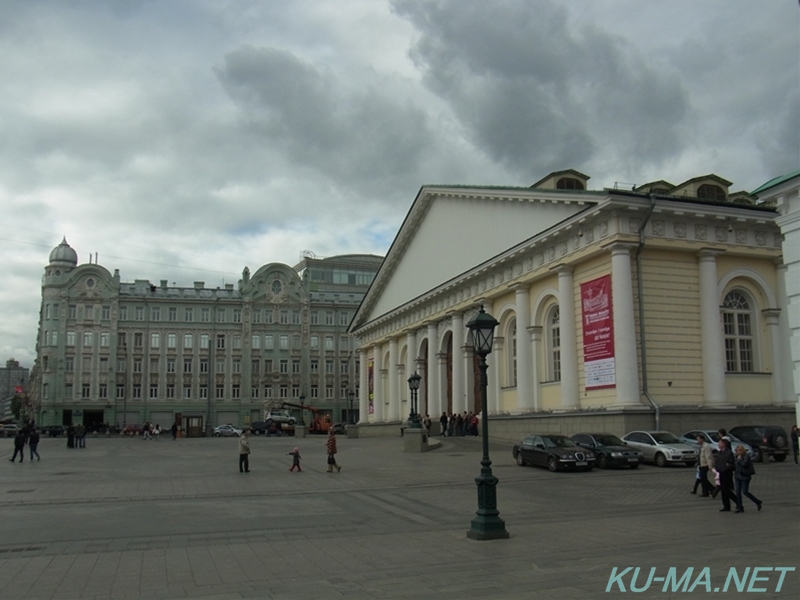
(187,139)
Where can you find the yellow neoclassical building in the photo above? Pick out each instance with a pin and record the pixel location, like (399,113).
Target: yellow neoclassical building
(660,305)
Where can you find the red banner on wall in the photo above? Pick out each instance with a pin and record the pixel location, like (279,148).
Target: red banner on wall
(598,334)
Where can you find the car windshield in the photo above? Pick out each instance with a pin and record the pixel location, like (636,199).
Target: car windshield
(608,440)
(558,441)
(664,437)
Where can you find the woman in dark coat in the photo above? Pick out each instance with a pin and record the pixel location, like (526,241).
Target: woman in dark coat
(724,465)
(71,436)
(330,447)
(744,471)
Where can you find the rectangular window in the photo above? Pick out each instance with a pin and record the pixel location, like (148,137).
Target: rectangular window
(187,392)
(315,391)
(203,341)
(343,343)
(284,391)
(70,338)
(221,366)
(120,391)
(188,315)
(284,366)
(170,391)
(204,392)
(123,313)
(138,340)
(256,342)
(295,391)
(268,317)
(153,391)
(121,365)
(86,390)
(87,339)
(155,313)
(295,317)
(343,367)
(103,364)
(344,319)
(204,365)
(295,342)
(72,311)
(314,366)
(122,340)
(188,341)
(187,365)
(221,315)
(268,342)
(170,365)
(105,339)
(220,341)
(268,365)
(68,390)
(88,312)
(235,391)
(236,342)
(220,392)
(154,363)
(257,315)
(237,315)
(255,366)
(328,392)
(54,338)
(236,366)
(205,315)
(139,314)
(137,365)
(329,367)
(284,317)
(284,342)
(172,341)
(155,340)
(69,364)
(314,317)
(315,342)
(46,311)
(267,392)
(295,367)
(329,317)
(55,311)
(106,314)
(328,342)
(254,393)
(86,364)
(172,314)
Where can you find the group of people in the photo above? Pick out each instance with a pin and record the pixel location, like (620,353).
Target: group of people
(330,449)
(153,432)
(732,471)
(461,425)
(76,436)
(26,436)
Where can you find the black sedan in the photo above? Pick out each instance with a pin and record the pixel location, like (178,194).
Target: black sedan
(609,450)
(556,452)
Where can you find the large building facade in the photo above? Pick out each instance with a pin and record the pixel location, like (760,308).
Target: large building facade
(658,306)
(115,352)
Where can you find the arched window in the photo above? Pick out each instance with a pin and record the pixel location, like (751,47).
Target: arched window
(554,345)
(512,353)
(569,183)
(737,321)
(711,192)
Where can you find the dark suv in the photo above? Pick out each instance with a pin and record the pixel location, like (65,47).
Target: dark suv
(766,441)
(259,427)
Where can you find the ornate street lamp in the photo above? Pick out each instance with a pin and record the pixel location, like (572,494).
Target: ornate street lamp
(487,524)
(350,396)
(413,415)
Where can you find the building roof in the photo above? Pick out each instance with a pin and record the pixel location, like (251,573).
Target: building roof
(775,182)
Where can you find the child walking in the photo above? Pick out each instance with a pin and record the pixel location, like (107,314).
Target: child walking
(295,454)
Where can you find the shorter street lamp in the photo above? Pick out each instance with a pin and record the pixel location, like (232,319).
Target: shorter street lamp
(350,396)
(413,415)
(487,524)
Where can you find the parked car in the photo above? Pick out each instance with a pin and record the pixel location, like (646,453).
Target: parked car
(662,447)
(53,430)
(280,416)
(9,429)
(259,427)
(133,429)
(227,430)
(609,450)
(765,440)
(339,428)
(556,452)
(712,439)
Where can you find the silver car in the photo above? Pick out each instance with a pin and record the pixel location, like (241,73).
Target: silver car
(712,439)
(662,447)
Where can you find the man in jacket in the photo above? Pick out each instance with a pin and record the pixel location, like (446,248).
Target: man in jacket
(244,453)
(706,457)
(724,466)
(19,446)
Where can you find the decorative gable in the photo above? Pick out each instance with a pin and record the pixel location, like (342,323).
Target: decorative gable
(707,187)
(569,179)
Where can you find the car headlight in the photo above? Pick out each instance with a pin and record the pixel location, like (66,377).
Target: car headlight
(617,454)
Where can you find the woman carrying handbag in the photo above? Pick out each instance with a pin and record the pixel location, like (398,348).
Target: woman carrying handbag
(744,471)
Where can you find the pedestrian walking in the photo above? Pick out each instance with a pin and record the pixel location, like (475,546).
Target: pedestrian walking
(19,446)
(426,422)
(80,436)
(70,436)
(174,430)
(33,444)
(724,465)
(451,424)
(705,462)
(443,423)
(146,431)
(157,432)
(330,446)
(295,454)
(244,452)
(794,434)
(744,470)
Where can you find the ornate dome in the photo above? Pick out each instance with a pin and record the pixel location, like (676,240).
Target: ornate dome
(64,255)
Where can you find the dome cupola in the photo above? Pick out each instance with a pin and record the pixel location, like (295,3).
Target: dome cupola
(63,255)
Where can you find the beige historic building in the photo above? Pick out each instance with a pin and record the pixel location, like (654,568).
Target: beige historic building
(661,305)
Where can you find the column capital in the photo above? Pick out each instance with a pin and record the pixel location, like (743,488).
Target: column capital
(771,315)
(619,247)
(562,269)
(706,254)
(520,288)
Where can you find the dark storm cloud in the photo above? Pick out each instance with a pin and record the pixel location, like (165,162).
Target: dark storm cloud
(537,94)
(355,137)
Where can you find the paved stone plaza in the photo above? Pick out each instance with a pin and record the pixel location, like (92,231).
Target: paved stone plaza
(127,518)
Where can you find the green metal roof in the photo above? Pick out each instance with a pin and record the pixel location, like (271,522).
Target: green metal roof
(776,181)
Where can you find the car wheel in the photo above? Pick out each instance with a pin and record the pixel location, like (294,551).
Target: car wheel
(552,464)
(661,460)
(217,434)
(757,454)
(291,421)
(520,460)
(636,466)
(602,461)
(779,457)
(778,440)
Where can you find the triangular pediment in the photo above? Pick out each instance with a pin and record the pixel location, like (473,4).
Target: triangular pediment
(449,230)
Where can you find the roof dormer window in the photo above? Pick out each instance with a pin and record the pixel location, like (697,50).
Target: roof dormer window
(569,183)
(711,192)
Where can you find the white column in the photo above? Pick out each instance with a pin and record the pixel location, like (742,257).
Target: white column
(424,408)
(524,389)
(711,331)
(441,377)
(363,386)
(772,317)
(535,333)
(377,384)
(626,364)
(493,375)
(393,408)
(459,397)
(569,343)
(411,368)
(403,404)
(434,404)
(785,334)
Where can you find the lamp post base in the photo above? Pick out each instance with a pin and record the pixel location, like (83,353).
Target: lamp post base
(488,529)
(487,524)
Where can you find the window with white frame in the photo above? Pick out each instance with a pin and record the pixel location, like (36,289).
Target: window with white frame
(256,342)
(328,342)
(554,344)
(155,340)
(155,313)
(70,338)
(269,343)
(172,314)
(172,340)
(237,315)
(315,342)
(188,341)
(284,342)
(87,339)
(737,322)
(511,347)
(105,339)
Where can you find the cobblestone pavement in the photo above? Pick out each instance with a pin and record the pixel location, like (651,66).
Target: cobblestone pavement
(127,518)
